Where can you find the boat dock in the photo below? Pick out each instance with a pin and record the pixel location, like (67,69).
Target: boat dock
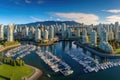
(56,64)
(20,51)
(88,62)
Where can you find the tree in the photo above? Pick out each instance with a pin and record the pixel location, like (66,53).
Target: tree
(20,62)
(14,63)
(23,63)
(8,60)
(1,58)
(4,60)
(17,62)
(11,62)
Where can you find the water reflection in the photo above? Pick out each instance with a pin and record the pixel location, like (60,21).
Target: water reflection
(59,49)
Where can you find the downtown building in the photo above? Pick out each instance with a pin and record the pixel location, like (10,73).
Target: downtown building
(1,32)
(93,38)
(104,44)
(10,36)
(37,34)
(84,36)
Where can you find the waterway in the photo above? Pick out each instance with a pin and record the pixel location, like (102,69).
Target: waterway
(59,49)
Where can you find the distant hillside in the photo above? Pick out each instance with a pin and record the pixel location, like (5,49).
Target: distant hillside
(48,23)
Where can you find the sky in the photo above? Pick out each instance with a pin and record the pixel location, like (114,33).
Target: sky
(82,11)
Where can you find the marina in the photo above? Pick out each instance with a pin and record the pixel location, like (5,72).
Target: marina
(21,51)
(56,64)
(64,57)
(60,40)
(88,62)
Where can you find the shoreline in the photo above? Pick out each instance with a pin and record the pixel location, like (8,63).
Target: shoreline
(101,54)
(37,73)
(9,47)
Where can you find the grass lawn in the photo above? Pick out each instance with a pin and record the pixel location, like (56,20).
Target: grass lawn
(16,73)
(2,78)
(118,51)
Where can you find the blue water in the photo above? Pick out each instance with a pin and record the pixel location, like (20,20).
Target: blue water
(59,49)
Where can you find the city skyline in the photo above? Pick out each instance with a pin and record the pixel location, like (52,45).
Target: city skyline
(59,39)
(83,11)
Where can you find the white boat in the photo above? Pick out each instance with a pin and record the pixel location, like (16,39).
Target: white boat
(55,63)
(48,75)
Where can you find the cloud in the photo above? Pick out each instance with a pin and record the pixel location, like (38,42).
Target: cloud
(112,10)
(17,2)
(35,18)
(80,17)
(58,19)
(40,1)
(51,17)
(28,1)
(113,19)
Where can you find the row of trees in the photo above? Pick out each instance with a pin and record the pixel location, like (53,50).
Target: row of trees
(16,62)
(115,44)
(10,43)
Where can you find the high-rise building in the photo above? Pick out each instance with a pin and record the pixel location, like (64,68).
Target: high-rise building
(84,36)
(51,32)
(110,33)
(104,35)
(56,29)
(104,45)
(78,32)
(31,33)
(99,28)
(119,36)
(37,34)
(90,28)
(69,33)
(20,29)
(22,32)
(10,32)
(26,31)
(107,28)
(33,30)
(15,30)
(42,31)
(116,30)
(93,38)
(63,30)
(46,35)
(1,32)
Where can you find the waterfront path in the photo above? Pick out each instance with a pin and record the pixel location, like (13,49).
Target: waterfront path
(101,54)
(8,47)
(35,75)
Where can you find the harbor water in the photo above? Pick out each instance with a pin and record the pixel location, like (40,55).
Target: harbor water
(60,50)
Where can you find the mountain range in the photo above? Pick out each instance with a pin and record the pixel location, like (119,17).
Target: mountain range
(48,23)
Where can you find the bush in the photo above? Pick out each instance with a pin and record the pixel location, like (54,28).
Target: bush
(16,62)
(10,43)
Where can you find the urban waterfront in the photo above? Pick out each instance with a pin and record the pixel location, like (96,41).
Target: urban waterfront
(59,49)
(59,40)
